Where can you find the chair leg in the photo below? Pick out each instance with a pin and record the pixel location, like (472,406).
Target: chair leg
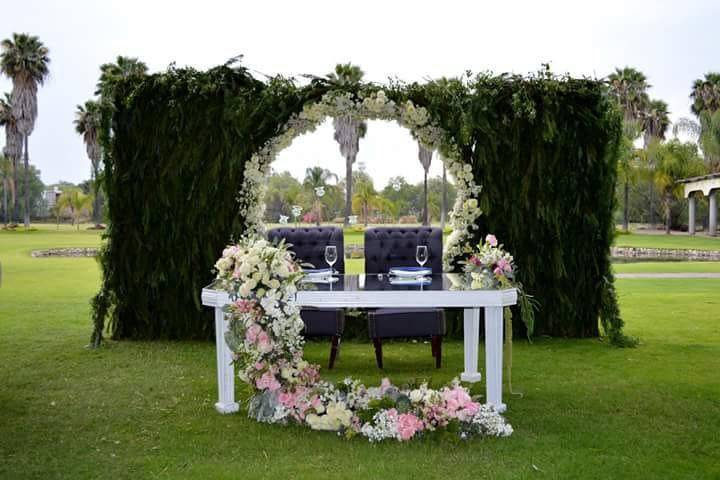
(437,349)
(378,352)
(334,346)
(433,346)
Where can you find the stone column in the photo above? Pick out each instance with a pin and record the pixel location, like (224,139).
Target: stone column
(712,229)
(691,214)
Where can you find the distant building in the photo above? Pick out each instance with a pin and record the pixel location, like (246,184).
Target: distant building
(50,196)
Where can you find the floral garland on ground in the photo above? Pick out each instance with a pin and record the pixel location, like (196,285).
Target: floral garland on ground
(265,335)
(367,106)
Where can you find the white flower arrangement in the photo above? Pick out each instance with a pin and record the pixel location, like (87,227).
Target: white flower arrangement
(373,106)
(265,336)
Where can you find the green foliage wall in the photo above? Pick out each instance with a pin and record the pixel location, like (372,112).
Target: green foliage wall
(543,148)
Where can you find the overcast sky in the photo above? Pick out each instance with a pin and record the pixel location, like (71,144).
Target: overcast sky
(672,42)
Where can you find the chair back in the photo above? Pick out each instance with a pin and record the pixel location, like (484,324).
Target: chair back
(309,244)
(389,247)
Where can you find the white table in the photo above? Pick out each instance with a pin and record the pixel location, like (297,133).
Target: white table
(368,291)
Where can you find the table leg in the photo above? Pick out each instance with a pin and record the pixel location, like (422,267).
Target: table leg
(225,369)
(471,332)
(494,356)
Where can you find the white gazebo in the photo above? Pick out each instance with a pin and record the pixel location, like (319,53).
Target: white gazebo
(707,185)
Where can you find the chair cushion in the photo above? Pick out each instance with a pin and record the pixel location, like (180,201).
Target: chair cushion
(396,247)
(323,322)
(414,322)
(309,244)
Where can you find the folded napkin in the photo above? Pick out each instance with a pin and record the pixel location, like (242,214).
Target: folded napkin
(413,272)
(324,280)
(318,271)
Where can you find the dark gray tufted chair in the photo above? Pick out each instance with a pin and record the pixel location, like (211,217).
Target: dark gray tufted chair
(309,247)
(395,247)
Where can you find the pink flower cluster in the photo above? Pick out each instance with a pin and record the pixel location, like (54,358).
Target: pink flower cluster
(408,424)
(298,401)
(458,403)
(267,381)
(255,335)
(502,267)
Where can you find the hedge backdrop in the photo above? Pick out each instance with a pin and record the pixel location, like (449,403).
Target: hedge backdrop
(544,149)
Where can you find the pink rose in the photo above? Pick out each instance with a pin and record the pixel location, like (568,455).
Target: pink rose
(259,365)
(251,334)
(264,343)
(475,261)
(491,239)
(498,271)
(407,425)
(267,382)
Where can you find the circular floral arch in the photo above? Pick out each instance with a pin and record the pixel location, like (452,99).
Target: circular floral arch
(264,330)
(373,106)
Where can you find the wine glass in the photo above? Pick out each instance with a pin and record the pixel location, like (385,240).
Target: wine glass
(421,255)
(331,256)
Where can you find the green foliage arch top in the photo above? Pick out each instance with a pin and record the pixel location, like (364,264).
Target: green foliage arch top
(177,143)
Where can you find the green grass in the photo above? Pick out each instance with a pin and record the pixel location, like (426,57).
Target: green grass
(681,241)
(667,267)
(145,410)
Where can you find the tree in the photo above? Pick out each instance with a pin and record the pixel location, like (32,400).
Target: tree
(425,157)
(25,60)
(348,130)
(675,160)
(316,182)
(34,188)
(87,124)
(364,200)
(76,203)
(6,171)
(111,73)
(628,163)
(629,87)
(706,107)
(12,150)
(654,121)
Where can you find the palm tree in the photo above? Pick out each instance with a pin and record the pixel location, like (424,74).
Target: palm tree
(75,202)
(25,60)
(629,87)
(627,174)
(675,160)
(365,199)
(316,180)
(706,106)
(348,130)
(425,157)
(12,150)
(87,124)
(654,121)
(111,73)
(6,171)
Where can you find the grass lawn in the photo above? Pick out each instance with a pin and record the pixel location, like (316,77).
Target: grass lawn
(667,267)
(145,410)
(677,240)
